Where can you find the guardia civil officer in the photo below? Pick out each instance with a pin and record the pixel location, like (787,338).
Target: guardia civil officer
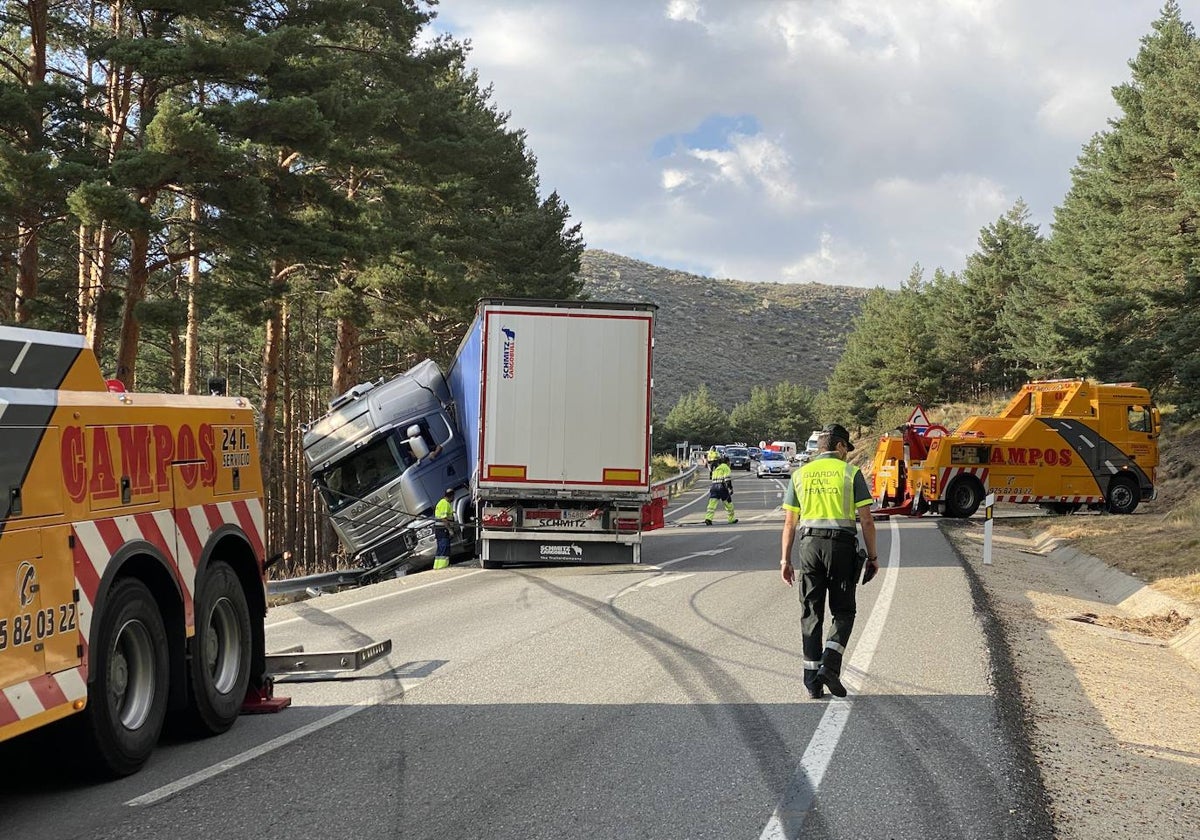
(825,496)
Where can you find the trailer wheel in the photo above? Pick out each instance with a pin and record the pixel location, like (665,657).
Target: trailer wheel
(127,697)
(1122,496)
(963,497)
(219,665)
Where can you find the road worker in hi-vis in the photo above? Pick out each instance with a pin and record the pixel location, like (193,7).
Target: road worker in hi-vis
(721,490)
(443,515)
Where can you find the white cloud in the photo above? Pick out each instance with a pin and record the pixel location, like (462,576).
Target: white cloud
(688,10)
(752,162)
(831,262)
(888,132)
(674,179)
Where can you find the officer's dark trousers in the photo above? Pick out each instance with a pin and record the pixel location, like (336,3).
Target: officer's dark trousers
(828,567)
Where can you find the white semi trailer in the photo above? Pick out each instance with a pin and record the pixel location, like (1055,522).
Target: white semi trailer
(553,399)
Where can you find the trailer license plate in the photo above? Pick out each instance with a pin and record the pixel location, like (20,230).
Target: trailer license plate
(576,520)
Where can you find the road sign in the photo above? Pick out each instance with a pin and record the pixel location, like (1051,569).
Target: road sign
(918,417)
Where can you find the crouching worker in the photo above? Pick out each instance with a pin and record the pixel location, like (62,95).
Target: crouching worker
(721,490)
(443,515)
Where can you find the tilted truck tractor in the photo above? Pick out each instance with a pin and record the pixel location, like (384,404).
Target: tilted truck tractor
(1062,444)
(554,399)
(542,429)
(382,458)
(131,554)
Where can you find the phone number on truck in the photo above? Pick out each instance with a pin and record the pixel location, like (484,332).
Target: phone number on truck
(26,628)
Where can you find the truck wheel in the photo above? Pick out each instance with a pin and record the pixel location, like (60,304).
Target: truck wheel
(127,697)
(1122,496)
(219,665)
(963,497)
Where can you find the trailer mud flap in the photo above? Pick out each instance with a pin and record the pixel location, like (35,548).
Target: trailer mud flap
(537,551)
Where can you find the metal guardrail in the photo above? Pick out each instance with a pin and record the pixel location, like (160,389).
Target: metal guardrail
(314,584)
(671,487)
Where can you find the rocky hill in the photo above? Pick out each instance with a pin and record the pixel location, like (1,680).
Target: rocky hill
(729,334)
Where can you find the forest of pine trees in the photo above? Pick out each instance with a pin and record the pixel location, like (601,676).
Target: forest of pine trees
(292,196)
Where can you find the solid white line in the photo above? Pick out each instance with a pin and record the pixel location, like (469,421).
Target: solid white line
(352,604)
(825,739)
(16,365)
(166,791)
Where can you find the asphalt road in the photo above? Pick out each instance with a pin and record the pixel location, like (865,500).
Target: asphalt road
(660,701)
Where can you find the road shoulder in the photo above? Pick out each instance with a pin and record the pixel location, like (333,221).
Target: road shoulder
(1112,717)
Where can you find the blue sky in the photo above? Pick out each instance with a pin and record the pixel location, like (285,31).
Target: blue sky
(831,141)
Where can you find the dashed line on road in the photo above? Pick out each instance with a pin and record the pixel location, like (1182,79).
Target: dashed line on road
(787,819)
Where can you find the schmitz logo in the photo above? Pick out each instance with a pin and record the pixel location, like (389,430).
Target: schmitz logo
(560,551)
(509,358)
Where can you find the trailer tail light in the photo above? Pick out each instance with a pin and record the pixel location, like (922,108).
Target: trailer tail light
(628,523)
(497,518)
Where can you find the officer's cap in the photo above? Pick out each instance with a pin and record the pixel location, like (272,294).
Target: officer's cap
(838,432)
(449,491)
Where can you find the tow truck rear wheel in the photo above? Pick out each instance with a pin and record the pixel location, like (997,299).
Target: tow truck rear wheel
(963,497)
(1122,496)
(127,697)
(219,665)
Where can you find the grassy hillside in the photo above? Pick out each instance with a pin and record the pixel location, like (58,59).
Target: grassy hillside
(729,334)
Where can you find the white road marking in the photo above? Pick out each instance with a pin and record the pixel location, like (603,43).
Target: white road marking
(1110,466)
(352,604)
(16,365)
(789,813)
(167,791)
(712,552)
(1085,439)
(671,578)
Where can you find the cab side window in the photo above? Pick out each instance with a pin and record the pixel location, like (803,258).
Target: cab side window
(1139,419)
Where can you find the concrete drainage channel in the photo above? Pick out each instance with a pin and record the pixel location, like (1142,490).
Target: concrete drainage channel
(1131,596)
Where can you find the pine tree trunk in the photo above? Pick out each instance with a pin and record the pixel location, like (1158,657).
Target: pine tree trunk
(27,270)
(346,354)
(100,262)
(272,342)
(27,227)
(191,353)
(293,465)
(135,291)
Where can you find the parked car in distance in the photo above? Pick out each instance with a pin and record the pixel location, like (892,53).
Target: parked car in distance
(739,457)
(773,463)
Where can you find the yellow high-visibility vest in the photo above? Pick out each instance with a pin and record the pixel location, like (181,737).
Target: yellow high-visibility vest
(825,490)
